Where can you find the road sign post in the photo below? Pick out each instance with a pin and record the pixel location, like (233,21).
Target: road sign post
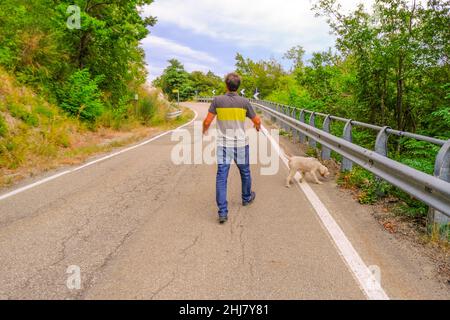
(177,91)
(256,95)
(136,99)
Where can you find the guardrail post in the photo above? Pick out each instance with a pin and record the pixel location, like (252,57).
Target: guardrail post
(264,103)
(294,116)
(277,108)
(381,148)
(326,152)
(285,112)
(301,118)
(437,219)
(312,123)
(270,105)
(289,113)
(346,164)
(381,142)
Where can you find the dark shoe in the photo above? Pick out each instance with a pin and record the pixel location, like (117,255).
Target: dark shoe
(222,220)
(250,201)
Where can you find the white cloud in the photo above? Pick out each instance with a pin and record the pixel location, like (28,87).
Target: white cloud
(166,49)
(239,24)
(251,23)
(176,49)
(154,71)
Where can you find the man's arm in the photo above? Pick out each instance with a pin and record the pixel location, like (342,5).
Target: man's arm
(207,122)
(210,117)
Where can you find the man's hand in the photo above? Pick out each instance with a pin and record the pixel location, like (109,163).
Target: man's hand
(257,123)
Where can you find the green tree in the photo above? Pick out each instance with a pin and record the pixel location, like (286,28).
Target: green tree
(262,75)
(108,43)
(204,84)
(175,77)
(295,55)
(42,51)
(401,58)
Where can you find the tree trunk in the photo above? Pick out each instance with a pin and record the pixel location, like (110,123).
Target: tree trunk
(383,99)
(82,50)
(399,105)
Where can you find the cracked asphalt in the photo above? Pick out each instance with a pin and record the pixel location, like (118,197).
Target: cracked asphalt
(140,227)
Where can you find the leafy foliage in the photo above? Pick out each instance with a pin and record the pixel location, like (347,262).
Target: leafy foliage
(147,109)
(262,75)
(43,52)
(390,67)
(176,78)
(81,96)
(204,84)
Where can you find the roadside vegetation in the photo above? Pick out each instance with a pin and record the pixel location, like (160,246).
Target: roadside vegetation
(176,80)
(390,67)
(67,93)
(36,135)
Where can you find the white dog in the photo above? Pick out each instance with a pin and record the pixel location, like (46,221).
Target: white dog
(303,165)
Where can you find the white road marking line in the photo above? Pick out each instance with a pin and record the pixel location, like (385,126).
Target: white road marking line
(365,278)
(60,174)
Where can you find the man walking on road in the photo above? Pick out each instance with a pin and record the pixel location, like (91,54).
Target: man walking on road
(232,142)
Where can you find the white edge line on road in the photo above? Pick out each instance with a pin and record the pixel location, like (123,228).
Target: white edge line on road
(365,278)
(60,174)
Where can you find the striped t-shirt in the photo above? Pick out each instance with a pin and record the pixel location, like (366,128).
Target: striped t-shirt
(231,110)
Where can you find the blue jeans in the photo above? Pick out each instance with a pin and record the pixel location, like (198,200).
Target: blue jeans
(241,156)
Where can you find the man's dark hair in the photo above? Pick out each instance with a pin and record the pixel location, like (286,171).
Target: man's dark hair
(233,81)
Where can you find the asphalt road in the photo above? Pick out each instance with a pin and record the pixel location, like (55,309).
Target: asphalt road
(140,227)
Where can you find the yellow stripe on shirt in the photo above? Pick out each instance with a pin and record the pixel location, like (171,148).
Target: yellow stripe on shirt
(231,114)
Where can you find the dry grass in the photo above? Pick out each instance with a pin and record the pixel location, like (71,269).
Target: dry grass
(36,136)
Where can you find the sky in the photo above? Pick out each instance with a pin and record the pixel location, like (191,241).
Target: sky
(206,34)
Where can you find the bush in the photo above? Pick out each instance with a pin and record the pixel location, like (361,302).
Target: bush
(81,96)
(147,109)
(117,118)
(370,189)
(419,155)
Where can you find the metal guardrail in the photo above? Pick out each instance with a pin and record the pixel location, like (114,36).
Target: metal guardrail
(432,190)
(173,115)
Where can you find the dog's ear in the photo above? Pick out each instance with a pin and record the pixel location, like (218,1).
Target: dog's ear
(323,170)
